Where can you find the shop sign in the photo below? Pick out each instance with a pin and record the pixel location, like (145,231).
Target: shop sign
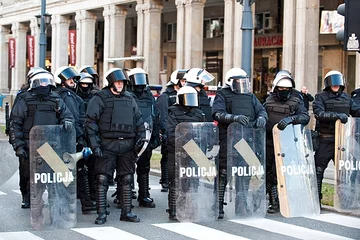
(31,50)
(72,46)
(12,49)
(268,41)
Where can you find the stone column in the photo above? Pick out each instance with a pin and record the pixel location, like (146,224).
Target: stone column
(300,53)
(19,72)
(180,33)
(140,32)
(152,38)
(357,71)
(228,52)
(60,31)
(107,65)
(35,31)
(288,55)
(85,38)
(194,13)
(311,46)
(237,49)
(4,60)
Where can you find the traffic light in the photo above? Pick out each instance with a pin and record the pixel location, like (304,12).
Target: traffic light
(351,31)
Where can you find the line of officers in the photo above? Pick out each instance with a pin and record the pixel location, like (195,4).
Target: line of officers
(111,122)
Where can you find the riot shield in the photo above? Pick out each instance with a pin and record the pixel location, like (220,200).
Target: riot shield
(52,183)
(246,197)
(196,148)
(9,162)
(347,166)
(295,169)
(148,124)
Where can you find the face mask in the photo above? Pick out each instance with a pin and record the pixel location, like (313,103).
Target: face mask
(283,94)
(42,90)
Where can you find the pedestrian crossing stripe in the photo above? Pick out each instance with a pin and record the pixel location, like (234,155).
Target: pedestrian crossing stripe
(338,219)
(2,193)
(196,231)
(16,191)
(19,236)
(106,233)
(288,229)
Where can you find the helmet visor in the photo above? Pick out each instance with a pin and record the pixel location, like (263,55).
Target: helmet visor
(69,73)
(118,75)
(240,84)
(334,80)
(139,79)
(188,99)
(41,82)
(205,76)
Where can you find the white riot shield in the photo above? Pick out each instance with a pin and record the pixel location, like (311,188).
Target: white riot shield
(196,147)
(52,183)
(246,197)
(295,169)
(9,162)
(347,166)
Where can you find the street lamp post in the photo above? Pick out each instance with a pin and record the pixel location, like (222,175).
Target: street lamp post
(247,27)
(43,20)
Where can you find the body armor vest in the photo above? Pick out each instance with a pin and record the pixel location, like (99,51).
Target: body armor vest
(205,106)
(339,104)
(171,97)
(277,110)
(194,115)
(117,119)
(145,104)
(40,111)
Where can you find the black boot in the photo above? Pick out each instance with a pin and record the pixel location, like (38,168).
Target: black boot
(125,191)
(319,178)
(144,195)
(25,201)
(133,192)
(172,197)
(92,186)
(101,202)
(273,200)
(164,181)
(87,206)
(222,187)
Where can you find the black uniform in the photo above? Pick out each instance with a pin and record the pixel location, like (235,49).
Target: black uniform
(163,102)
(279,109)
(204,102)
(226,108)
(177,114)
(307,97)
(113,125)
(146,103)
(328,107)
(31,110)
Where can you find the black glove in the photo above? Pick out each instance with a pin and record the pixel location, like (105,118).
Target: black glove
(80,144)
(282,124)
(242,119)
(138,145)
(67,125)
(343,117)
(260,122)
(21,153)
(163,138)
(97,152)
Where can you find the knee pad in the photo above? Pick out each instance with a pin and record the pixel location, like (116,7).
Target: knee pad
(126,179)
(102,179)
(320,172)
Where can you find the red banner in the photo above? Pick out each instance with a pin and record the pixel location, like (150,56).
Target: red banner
(31,50)
(270,41)
(72,46)
(12,49)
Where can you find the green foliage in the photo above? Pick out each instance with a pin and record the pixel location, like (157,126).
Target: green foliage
(328,194)
(155,161)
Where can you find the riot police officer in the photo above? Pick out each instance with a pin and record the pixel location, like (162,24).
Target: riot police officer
(234,103)
(186,109)
(330,105)
(116,132)
(283,107)
(146,103)
(197,78)
(90,70)
(163,102)
(65,78)
(37,106)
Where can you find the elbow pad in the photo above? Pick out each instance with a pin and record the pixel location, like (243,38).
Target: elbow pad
(329,116)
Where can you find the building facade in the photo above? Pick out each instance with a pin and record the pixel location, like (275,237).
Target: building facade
(171,34)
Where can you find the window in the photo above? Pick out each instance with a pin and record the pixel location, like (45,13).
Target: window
(263,22)
(213,27)
(171,32)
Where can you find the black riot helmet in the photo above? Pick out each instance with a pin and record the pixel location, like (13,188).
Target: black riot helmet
(334,78)
(90,70)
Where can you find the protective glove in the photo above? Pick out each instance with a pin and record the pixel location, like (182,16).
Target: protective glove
(282,124)
(21,153)
(81,143)
(343,117)
(67,125)
(260,122)
(242,119)
(163,137)
(138,145)
(97,152)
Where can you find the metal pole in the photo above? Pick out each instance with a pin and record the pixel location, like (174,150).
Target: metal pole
(42,40)
(247,27)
